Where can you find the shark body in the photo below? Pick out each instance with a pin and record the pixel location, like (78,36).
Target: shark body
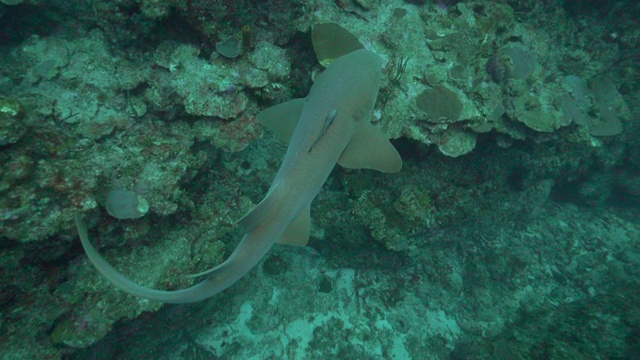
(331,125)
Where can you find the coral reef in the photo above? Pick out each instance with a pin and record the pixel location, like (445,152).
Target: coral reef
(512,224)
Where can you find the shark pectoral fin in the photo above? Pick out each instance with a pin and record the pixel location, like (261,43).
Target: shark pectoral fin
(370,149)
(282,118)
(297,233)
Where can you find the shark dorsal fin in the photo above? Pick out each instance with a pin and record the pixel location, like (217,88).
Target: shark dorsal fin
(370,149)
(258,214)
(282,118)
(297,233)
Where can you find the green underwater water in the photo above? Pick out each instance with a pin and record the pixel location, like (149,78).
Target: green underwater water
(511,232)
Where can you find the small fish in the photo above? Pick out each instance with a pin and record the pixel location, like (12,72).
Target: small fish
(327,123)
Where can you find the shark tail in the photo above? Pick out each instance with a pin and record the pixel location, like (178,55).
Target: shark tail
(218,278)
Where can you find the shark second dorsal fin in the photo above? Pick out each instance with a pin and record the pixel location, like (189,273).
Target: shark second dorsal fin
(297,233)
(370,149)
(258,214)
(282,118)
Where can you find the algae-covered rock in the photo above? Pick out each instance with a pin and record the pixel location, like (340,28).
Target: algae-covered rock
(11,126)
(126,204)
(229,48)
(206,89)
(415,204)
(522,62)
(231,136)
(272,59)
(383,221)
(599,106)
(79,331)
(155,9)
(456,142)
(441,104)
(539,111)
(610,106)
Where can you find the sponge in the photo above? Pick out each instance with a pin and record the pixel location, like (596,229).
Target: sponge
(126,204)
